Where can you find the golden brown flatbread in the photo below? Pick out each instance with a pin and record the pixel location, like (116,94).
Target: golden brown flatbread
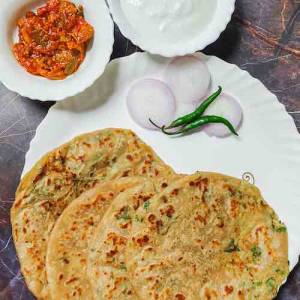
(106,262)
(207,236)
(67,250)
(60,177)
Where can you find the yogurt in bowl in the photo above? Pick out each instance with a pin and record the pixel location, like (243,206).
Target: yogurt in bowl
(172,27)
(168,20)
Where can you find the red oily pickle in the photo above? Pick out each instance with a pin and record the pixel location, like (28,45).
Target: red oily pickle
(53,40)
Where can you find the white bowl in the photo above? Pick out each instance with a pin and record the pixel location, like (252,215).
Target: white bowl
(211,30)
(17,79)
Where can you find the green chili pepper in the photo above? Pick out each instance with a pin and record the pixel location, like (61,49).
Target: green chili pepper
(197,113)
(200,122)
(184,120)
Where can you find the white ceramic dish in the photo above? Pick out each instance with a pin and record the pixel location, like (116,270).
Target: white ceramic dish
(17,79)
(155,44)
(268,146)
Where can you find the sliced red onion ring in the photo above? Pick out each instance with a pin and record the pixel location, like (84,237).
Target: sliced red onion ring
(227,107)
(188,77)
(151,98)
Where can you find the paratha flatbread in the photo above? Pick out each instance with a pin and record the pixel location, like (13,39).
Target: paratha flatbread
(207,236)
(60,177)
(106,263)
(66,261)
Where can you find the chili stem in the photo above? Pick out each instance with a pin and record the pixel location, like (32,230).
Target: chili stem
(155,124)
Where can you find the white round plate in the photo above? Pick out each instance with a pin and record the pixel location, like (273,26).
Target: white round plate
(17,79)
(268,146)
(156,43)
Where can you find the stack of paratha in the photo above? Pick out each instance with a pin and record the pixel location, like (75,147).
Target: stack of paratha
(102,217)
